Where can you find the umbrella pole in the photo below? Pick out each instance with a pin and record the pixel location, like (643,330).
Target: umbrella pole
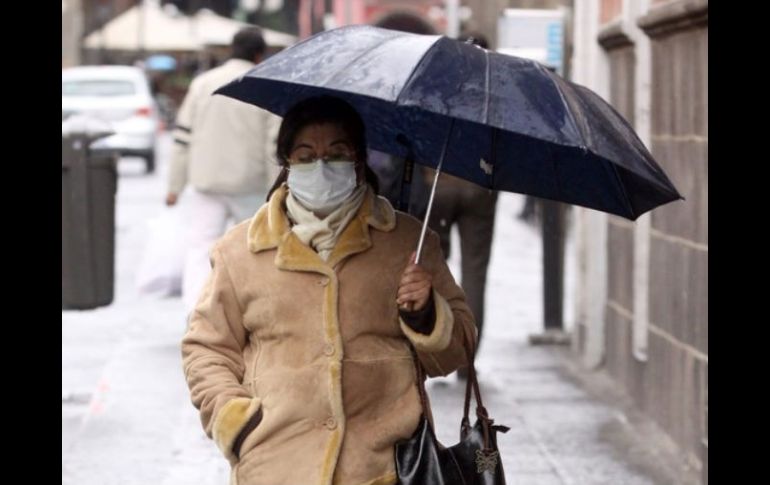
(433,194)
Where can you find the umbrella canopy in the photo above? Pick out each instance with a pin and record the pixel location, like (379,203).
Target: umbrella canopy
(499,121)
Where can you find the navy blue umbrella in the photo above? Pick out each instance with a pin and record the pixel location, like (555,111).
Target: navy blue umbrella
(499,121)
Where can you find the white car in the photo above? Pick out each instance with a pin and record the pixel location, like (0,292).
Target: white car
(117,94)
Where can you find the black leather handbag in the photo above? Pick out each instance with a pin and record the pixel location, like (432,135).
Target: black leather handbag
(475,460)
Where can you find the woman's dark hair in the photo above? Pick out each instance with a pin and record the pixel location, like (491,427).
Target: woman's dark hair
(322,109)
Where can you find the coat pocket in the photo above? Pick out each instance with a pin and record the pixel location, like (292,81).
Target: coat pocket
(250,426)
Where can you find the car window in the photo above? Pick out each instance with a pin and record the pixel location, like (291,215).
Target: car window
(97,88)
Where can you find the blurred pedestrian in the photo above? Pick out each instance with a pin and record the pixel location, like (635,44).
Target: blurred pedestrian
(223,149)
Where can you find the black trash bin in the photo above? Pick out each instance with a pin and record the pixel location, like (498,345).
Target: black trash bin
(89,184)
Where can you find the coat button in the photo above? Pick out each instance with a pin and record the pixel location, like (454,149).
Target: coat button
(323,281)
(329,349)
(330,423)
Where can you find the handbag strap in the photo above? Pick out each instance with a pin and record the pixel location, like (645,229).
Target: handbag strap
(472,383)
(420,379)
(421,390)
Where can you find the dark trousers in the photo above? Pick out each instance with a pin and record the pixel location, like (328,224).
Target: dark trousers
(472,208)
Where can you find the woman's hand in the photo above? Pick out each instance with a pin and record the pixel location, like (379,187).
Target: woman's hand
(415,287)
(171,199)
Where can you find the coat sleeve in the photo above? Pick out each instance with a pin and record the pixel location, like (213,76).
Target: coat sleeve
(182,134)
(444,349)
(212,357)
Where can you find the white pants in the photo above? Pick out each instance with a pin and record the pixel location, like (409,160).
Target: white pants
(207,216)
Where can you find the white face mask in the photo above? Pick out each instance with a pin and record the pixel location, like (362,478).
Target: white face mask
(322,186)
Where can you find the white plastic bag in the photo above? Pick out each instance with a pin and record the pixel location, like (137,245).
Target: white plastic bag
(160,271)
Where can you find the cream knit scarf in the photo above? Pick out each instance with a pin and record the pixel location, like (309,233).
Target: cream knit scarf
(321,234)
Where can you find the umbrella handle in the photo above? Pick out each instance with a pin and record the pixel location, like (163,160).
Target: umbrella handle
(433,194)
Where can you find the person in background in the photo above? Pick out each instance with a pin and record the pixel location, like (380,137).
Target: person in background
(472,209)
(223,151)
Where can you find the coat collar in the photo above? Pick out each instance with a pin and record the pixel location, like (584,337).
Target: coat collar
(270,228)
